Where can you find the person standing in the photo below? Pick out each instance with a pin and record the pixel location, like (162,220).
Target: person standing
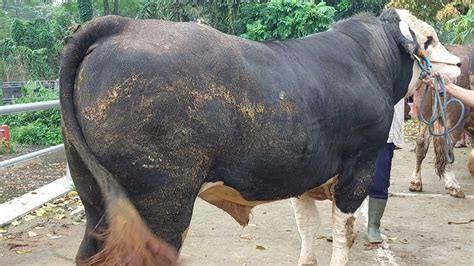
(378,194)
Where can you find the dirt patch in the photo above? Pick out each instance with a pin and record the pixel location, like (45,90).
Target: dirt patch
(44,228)
(16,181)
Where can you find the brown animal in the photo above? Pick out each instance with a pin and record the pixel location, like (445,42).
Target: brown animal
(444,169)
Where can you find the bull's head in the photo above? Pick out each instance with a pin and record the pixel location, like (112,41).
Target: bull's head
(443,61)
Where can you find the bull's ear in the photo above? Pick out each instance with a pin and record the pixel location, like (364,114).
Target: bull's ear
(409,46)
(399,30)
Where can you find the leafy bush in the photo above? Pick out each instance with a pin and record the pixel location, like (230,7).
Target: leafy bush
(462,28)
(32,48)
(282,19)
(38,127)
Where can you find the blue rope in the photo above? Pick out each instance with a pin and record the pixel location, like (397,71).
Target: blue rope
(439,109)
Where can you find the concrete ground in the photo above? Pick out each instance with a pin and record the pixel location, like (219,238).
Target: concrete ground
(416,225)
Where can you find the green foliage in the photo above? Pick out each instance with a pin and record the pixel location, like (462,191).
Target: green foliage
(462,28)
(348,8)
(21,62)
(218,14)
(427,10)
(4,25)
(32,49)
(39,127)
(280,19)
(86,12)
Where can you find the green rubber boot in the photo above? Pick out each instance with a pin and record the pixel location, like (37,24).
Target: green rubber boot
(376,209)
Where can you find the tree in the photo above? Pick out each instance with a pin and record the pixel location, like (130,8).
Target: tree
(116,7)
(106,8)
(85,10)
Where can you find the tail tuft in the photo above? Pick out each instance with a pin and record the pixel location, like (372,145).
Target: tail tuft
(128,241)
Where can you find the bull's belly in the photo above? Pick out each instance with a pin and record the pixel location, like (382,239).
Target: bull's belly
(231,201)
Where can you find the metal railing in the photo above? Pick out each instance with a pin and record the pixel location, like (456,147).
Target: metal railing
(18,108)
(25,107)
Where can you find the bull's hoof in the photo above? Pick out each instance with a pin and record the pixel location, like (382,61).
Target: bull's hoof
(416,186)
(456,192)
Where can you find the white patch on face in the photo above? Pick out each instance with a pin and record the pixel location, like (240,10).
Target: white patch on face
(405,30)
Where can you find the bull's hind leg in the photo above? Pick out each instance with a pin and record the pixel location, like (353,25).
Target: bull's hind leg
(307,221)
(350,191)
(168,211)
(443,168)
(451,184)
(422,144)
(93,205)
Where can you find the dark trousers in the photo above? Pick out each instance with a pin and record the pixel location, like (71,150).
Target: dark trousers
(381,180)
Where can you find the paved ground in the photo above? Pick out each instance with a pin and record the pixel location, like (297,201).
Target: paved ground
(416,226)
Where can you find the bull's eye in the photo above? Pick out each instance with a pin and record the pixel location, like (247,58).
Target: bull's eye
(428,42)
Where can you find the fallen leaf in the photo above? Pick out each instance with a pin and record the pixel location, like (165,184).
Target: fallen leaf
(22,251)
(392,239)
(320,236)
(55,237)
(51,205)
(59,216)
(258,247)
(39,227)
(16,223)
(32,234)
(76,223)
(78,210)
(28,217)
(59,200)
(246,237)
(48,235)
(3,230)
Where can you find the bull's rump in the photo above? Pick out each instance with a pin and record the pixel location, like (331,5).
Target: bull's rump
(183,100)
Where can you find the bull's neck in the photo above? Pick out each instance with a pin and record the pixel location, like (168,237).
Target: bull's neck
(402,64)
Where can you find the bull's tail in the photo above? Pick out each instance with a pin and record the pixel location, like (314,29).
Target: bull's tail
(127,240)
(440,150)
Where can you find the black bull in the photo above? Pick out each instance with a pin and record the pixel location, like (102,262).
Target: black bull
(152,110)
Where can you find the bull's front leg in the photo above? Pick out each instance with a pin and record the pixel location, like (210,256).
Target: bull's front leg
(351,189)
(342,235)
(422,145)
(308,222)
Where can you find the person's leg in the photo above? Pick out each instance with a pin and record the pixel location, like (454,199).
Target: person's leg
(379,193)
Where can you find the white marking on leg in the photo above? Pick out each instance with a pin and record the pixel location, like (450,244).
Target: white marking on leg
(342,230)
(383,254)
(451,184)
(308,222)
(450,179)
